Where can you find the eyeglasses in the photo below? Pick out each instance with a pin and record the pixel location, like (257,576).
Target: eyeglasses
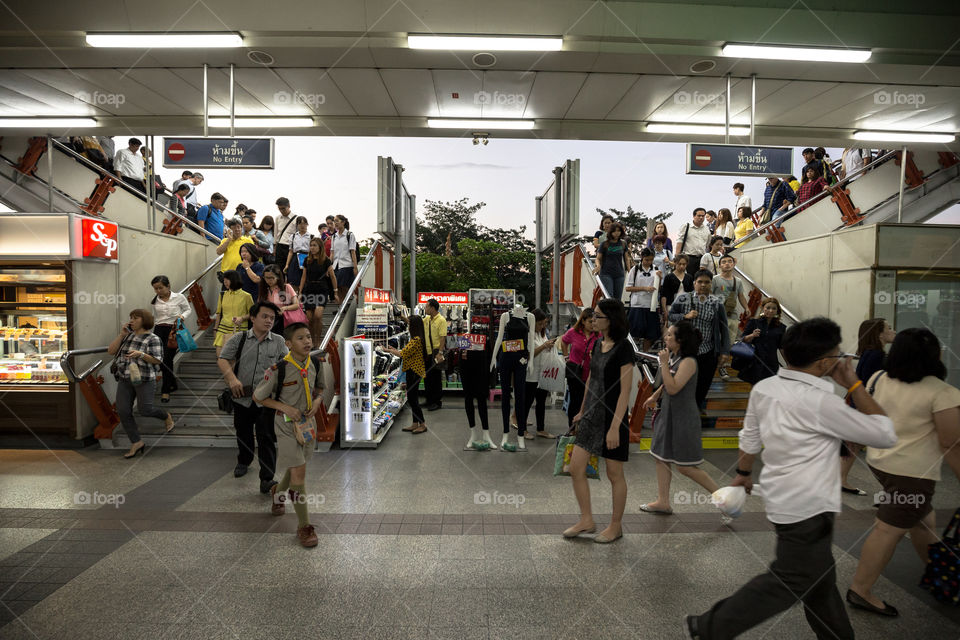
(844,355)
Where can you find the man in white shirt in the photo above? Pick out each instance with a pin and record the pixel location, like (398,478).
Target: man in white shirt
(742,200)
(800,423)
(853,160)
(129,165)
(284,228)
(693,240)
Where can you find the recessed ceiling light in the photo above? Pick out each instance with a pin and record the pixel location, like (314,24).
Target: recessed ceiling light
(255,121)
(260,57)
(165,40)
(702,66)
(458,123)
(903,136)
(802,54)
(485,43)
(700,129)
(484,59)
(40,123)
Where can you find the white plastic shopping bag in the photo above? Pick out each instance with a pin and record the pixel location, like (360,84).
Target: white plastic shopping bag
(730,500)
(551,371)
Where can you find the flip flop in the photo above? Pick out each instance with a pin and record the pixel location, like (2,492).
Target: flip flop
(658,512)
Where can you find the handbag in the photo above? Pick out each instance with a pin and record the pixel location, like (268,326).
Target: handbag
(940,577)
(561,465)
(294,315)
(185,341)
(743,350)
(172,337)
(551,364)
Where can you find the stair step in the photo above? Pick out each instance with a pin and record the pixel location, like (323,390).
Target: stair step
(727,404)
(739,386)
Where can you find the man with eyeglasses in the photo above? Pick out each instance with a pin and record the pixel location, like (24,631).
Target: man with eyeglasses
(799,423)
(708,315)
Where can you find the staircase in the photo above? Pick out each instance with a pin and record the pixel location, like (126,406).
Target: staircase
(199,422)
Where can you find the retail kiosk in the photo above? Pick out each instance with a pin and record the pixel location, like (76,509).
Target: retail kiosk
(453,307)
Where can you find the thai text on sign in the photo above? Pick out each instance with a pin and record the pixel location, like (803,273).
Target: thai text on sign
(442,298)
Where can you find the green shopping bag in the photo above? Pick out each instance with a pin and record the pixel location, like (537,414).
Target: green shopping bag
(561,466)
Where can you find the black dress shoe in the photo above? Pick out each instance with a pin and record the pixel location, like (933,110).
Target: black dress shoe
(433,407)
(266,484)
(858,602)
(240,470)
(690,627)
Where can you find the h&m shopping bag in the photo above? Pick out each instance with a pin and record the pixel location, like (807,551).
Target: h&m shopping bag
(552,372)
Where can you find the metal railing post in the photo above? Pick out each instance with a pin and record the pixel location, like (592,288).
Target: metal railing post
(903,178)
(753,107)
(558,217)
(49,173)
(206,99)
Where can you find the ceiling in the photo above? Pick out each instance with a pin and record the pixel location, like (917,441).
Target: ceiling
(624,64)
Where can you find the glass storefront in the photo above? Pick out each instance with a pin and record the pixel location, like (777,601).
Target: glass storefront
(931,300)
(33,325)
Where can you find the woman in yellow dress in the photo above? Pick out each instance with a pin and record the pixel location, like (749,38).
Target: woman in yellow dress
(233,310)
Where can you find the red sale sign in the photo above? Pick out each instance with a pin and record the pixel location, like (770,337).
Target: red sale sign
(99,239)
(442,298)
(376,296)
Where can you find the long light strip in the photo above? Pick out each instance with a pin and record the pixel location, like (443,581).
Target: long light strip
(904,136)
(165,40)
(258,122)
(482,125)
(485,43)
(803,54)
(701,129)
(39,123)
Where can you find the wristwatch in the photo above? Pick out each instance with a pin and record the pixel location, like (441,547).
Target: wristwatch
(741,472)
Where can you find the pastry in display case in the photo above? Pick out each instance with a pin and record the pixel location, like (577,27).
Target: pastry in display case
(33,325)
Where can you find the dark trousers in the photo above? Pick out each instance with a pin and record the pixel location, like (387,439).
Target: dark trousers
(693,264)
(577,388)
(511,368)
(433,384)
(804,571)
(533,392)
(169,383)
(280,252)
(127,392)
(251,420)
(481,410)
(133,182)
(413,396)
(706,367)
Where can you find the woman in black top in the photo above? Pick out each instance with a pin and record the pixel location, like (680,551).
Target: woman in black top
(602,422)
(318,285)
(673,283)
(613,261)
(765,334)
(250,269)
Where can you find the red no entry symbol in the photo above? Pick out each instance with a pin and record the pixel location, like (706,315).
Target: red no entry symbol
(176,152)
(701,158)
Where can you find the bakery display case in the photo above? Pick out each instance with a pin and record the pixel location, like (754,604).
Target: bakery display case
(33,326)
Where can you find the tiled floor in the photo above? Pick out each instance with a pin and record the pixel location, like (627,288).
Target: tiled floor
(419,539)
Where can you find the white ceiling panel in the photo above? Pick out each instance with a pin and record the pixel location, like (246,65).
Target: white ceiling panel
(646,95)
(274,94)
(599,95)
(552,94)
(837,104)
(24,95)
(137,95)
(786,97)
(699,100)
(740,97)
(364,90)
(319,90)
(466,86)
(218,89)
(412,91)
(101,87)
(505,93)
(185,98)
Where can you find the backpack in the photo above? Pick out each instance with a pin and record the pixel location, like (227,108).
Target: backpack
(281,372)
(730,302)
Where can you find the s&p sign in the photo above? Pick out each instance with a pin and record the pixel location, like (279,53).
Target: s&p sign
(99,239)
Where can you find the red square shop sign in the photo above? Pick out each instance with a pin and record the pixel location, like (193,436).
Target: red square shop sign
(98,239)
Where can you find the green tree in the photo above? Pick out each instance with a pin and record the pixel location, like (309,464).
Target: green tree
(634,222)
(442,219)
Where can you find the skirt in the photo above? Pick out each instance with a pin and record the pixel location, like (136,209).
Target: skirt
(592,435)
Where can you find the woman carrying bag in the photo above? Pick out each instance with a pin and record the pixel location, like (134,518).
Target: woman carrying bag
(533,391)
(273,288)
(169,308)
(576,345)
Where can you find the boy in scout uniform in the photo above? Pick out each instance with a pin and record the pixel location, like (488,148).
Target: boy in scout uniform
(295,399)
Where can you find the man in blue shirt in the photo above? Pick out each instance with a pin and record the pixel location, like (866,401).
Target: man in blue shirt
(776,198)
(210,217)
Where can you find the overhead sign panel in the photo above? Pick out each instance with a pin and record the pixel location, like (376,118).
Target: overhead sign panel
(218,153)
(737,160)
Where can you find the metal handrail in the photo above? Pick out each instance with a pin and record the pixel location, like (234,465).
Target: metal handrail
(753,283)
(337,319)
(807,203)
(140,194)
(13,165)
(67,368)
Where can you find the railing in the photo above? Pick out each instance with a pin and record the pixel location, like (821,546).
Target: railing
(41,181)
(806,204)
(345,303)
(67,368)
(136,192)
(754,284)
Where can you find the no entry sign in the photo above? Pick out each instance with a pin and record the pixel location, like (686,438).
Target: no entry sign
(218,153)
(175,152)
(737,160)
(702,158)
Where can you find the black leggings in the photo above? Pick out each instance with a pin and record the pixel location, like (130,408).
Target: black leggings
(534,392)
(481,409)
(577,388)
(510,366)
(169,380)
(706,367)
(413,396)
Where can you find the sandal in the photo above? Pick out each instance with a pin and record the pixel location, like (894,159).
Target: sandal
(169,423)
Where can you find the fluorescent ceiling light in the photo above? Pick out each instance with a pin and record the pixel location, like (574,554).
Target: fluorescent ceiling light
(903,136)
(254,122)
(479,125)
(803,54)
(165,40)
(40,123)
(485,43)
(701,129)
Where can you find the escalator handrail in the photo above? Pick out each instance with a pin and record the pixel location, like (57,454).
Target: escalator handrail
(136,192)
(67,368)
(46,185)
(341,311)
(783,309)
(803,206)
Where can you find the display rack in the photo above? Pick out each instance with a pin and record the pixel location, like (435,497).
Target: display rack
(453,307)
(33,321)
(486,307)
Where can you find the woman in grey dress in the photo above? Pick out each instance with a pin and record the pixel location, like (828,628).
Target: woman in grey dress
(676,428)
(602,422)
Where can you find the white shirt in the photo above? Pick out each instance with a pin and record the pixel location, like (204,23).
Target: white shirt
(640,278)
(128,164)
(167,312)
(852,160)
(725,230)
(743,201)
(799,423)
(280,223)
(300,242)
(341,246)
(697,239)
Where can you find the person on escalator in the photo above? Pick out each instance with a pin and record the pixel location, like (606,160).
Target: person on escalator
(765,335)
(813,183)
(777,198)
(344,254)
(129,164)
(613,260)
(318,287)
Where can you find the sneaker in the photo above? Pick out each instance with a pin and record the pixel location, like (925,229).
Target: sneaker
(277,507)
(239,471)
(724,374)
(307,536)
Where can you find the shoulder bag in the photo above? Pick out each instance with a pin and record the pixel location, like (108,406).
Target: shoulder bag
(225,399)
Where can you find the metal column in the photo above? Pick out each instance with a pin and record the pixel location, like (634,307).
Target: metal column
(49,173)
(233,110)
(397,233)
(413,250)
(557,185)
(151,188)
(538,255)
(206,99)
(726,106)
(753,107)
(903,178)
